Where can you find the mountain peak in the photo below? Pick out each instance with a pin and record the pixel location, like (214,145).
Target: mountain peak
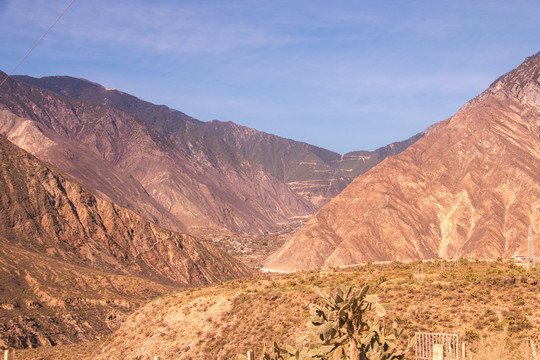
(470,187)
(522,82)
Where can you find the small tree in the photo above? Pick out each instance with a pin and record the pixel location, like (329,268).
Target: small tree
(341,329)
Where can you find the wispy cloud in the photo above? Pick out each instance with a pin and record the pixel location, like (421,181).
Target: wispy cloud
(257,62)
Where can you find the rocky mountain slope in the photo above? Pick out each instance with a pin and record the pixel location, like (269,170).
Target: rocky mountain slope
(45,301)
(470,187)
(316,174)
(73,265)
(48,213)
(164,178)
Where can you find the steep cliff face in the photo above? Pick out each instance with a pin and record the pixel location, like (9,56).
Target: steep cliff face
(470,187)
(43,211)
(162,177)
(316,174)
(73,266)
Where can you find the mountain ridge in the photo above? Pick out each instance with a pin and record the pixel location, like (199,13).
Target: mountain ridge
(314,173)
(73,265)
(46,212)
(470,187)
(197,195)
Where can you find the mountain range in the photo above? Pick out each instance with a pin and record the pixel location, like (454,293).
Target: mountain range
(98,224)
(69,260)
(104,197)
(469,187)
(206,176)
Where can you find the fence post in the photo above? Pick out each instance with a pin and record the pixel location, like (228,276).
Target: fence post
(463,355)
(9,354)
(533,350)
(438,352)
(250,355)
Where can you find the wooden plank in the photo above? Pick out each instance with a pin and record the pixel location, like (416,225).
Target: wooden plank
(9,354)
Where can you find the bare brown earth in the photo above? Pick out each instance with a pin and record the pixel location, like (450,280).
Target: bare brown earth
(471,186)
(316,174)
(72,265)
(491,306)
(49,302)
(162,178)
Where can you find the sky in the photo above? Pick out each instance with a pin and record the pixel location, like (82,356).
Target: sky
(343,75)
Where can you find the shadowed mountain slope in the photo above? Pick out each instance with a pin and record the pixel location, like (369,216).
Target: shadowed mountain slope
(72,265)
(470,187)
(164,178)
(46,212)
(316,174)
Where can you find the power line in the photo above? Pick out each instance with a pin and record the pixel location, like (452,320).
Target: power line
(37,42)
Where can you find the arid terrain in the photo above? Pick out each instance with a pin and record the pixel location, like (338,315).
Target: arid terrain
(490,305)
(132,231)
(469,187)
(73,265)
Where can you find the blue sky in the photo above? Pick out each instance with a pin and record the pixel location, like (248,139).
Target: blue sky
(343,75)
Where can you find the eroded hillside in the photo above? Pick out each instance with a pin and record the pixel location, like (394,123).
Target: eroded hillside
(73,265)
(491,306)
(470,187)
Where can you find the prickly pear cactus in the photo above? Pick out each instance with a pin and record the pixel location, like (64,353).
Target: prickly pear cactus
(341,329)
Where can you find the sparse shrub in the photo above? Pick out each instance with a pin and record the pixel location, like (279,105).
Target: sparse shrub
(291,283)
(516,322)
(340,329)
(471,335)
(470,276)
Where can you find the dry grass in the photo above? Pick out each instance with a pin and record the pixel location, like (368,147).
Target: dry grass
(61,352)
(492,306)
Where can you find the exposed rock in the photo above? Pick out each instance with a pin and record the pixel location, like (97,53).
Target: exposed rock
(509,279)
(316,174)
(470,187)
(179,178)
(49,213)
(80,264)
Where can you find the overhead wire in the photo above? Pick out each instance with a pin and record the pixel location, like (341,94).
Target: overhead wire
(37,42)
